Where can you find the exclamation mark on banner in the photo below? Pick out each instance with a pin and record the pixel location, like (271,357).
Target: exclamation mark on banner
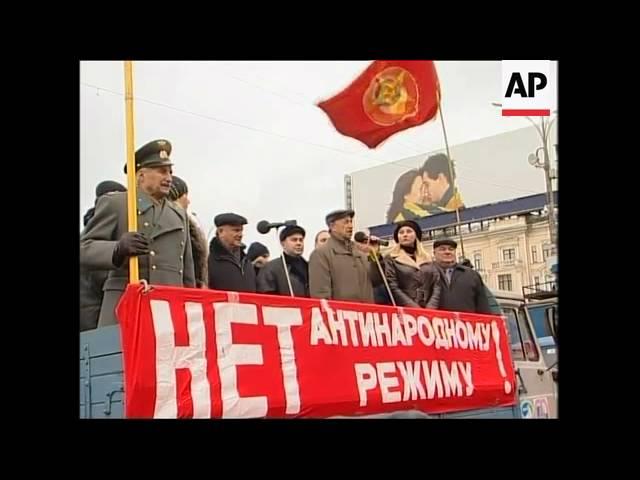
(496,339)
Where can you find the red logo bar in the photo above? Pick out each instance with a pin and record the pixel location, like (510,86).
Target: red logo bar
(525,113)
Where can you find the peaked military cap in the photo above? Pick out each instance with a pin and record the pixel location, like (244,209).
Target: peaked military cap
(153,154)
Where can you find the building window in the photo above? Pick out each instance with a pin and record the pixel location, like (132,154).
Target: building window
(536,280)
(534,254)
(546,252)
(509,254)
(504,282)
(477,261)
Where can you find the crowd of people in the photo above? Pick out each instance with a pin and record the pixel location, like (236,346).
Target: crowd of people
(172,249)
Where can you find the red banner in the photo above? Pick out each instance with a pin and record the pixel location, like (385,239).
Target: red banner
(194,353)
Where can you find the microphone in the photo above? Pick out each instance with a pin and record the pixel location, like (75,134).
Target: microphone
(361,237)
(264,226)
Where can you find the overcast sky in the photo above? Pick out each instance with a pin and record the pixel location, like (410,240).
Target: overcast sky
(248,138)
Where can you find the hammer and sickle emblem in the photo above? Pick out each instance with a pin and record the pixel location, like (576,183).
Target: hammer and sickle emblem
(391,97)
(389,90)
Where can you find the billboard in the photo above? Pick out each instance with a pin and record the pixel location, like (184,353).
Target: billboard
(487,170)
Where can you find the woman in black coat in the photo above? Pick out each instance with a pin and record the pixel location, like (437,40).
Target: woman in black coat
(413,279)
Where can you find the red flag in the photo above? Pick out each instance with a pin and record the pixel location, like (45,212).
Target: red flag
(388,97)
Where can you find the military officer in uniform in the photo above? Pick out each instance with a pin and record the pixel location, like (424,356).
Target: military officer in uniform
(162,242)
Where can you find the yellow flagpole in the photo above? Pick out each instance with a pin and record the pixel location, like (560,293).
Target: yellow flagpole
(131,167)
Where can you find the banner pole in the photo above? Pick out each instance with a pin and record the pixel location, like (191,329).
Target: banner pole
(451,172)
(131,167)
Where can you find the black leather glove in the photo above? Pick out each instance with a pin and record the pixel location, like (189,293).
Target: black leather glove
(131,244)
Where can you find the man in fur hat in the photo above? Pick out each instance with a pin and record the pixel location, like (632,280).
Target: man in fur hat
(179,194)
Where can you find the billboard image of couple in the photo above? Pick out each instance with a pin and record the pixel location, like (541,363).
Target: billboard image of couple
(486,170)
(425,191)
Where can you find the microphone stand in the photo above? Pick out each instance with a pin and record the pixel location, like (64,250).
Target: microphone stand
(284,264)
(384,278)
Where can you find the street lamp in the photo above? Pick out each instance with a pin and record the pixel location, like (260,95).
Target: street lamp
(549,175)
(543,131)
